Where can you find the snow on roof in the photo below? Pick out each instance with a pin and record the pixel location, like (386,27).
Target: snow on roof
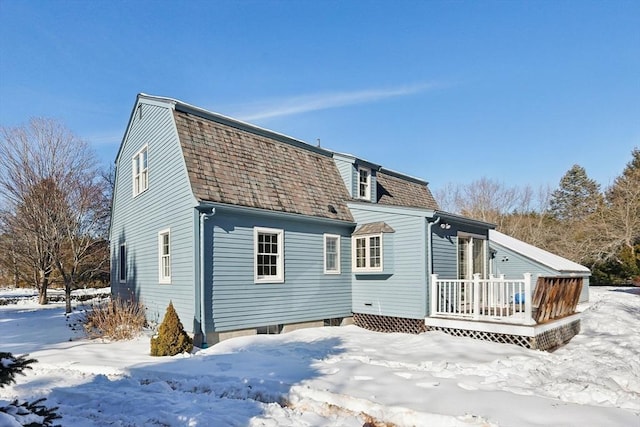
(554,261)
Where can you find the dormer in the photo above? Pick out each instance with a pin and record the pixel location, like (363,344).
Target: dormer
(359,176)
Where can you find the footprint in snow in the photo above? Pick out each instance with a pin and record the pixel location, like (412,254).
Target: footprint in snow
(329,371)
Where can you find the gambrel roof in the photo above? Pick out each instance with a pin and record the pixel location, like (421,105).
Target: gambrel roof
(397,190)
(232,162)
(236,164)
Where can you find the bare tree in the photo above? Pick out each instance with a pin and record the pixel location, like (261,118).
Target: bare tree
(620,219)
(52,200)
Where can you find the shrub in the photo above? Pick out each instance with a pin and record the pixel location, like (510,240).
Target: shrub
(117,319)
(171,338)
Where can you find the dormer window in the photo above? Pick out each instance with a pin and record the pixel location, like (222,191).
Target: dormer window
(364,183)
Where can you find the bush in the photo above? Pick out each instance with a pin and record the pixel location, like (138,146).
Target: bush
(171,338)
(118,319)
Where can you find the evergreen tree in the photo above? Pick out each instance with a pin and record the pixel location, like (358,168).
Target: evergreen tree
(30,414)
(577,196)
(171,338)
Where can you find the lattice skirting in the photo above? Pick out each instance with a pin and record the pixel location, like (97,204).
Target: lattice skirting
(378,323)
(547,340)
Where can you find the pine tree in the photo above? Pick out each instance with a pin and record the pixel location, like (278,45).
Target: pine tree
(171,338)
(25,413)
(575,209)
(577,196)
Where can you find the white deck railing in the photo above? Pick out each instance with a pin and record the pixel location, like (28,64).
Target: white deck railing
(495,299)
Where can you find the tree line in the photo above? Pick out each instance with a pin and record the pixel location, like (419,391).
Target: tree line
(598,228)
(54,209)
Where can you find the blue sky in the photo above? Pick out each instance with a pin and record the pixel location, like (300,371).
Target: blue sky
(514,91)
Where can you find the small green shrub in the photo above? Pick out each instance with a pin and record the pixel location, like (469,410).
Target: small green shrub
(171,338)
(118,319)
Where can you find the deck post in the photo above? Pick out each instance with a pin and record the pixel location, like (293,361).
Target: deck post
(434,294)
(476,296)
(528,300)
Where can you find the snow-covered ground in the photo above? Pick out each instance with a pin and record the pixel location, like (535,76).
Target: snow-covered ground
(334,376)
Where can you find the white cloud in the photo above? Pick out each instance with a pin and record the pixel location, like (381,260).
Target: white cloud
(323,101)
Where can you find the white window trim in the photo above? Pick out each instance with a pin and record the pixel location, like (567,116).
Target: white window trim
(161,277)
(135,160)
(279,277)
(120,275)
(367,195)
(470,237)
(338,261)
(367,268)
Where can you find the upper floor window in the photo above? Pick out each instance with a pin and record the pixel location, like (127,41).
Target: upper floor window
(164,256)
(140,171)
(268,245)
(122,264)
(367,253)
(364,183)
(331,254)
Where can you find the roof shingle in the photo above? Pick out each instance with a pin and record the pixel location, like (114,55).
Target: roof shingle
(396,191)
(235,166)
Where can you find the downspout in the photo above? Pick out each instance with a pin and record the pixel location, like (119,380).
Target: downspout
(203,216)
(430,255)
(429,246)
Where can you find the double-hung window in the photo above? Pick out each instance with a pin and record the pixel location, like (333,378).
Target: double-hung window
(364,183)
(122,264)
(268,246)
(331,254)
(164,256)
(140,171)
(367,253)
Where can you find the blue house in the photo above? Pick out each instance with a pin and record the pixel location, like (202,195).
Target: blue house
(250,231)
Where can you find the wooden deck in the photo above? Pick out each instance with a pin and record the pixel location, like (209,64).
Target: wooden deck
(506,311)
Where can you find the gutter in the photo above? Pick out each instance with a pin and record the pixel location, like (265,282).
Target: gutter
(203,217)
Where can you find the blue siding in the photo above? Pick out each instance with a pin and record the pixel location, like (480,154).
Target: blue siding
(401,290)
(307,293)
(168,203)
(445,248)
(513,265)
(348,173)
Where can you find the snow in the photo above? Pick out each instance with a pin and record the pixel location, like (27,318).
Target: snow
(332,376)
(549,259)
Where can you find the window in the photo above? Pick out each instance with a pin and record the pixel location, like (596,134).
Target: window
(331,254)
(368,253)
(122,264)
(268,246)
(164,256)
(471,258)
(364,180)
(140,171)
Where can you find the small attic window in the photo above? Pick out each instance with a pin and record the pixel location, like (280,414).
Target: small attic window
(140,171)
(364,183)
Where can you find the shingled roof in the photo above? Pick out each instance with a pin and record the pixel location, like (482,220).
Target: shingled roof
(243,166)
(403,191)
